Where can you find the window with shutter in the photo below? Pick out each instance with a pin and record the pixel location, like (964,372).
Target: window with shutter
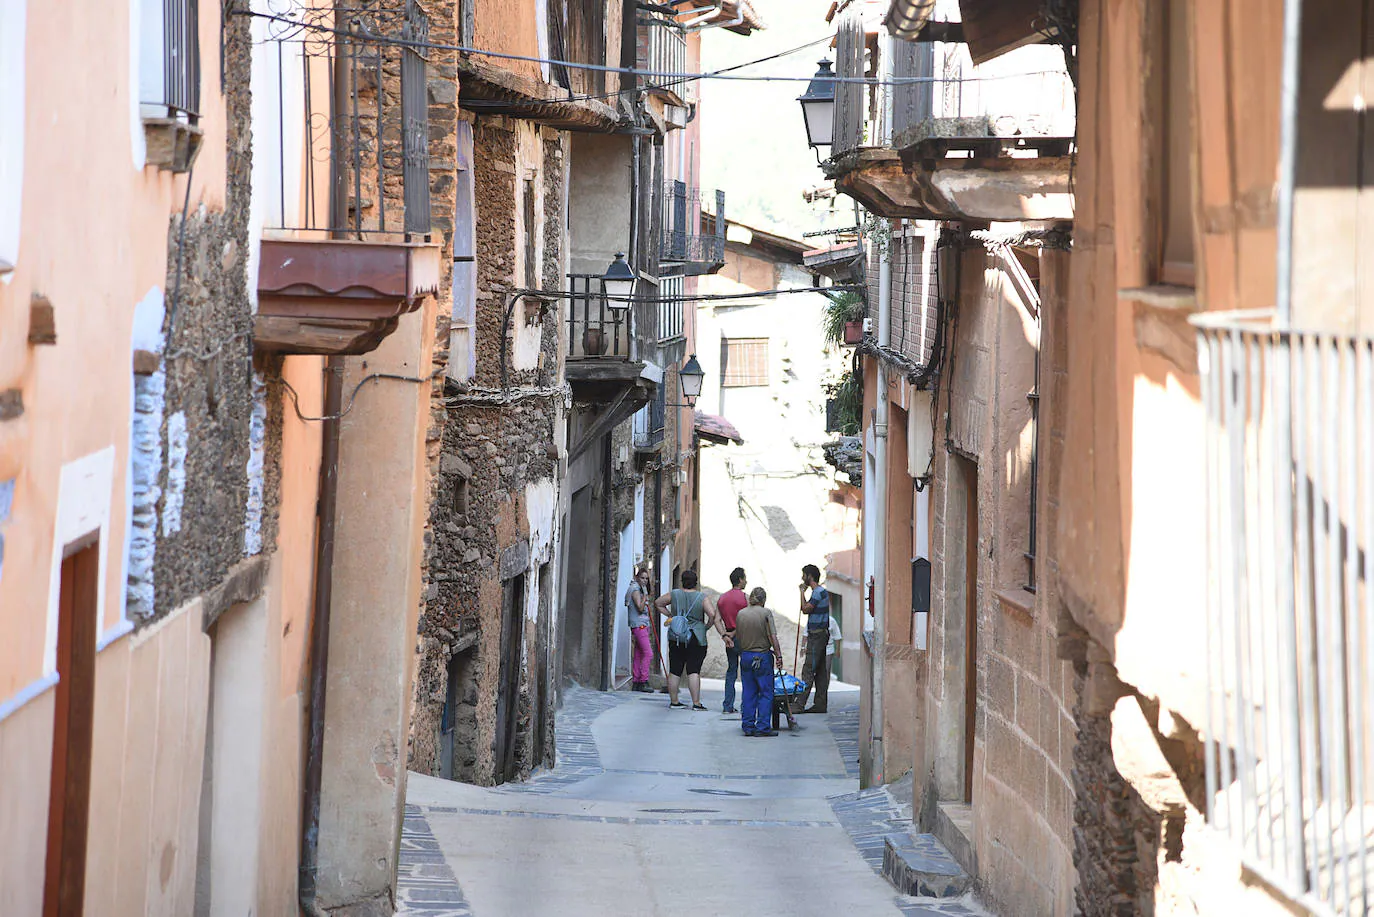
(746,362)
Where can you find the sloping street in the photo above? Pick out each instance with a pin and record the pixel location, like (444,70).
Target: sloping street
(652,811)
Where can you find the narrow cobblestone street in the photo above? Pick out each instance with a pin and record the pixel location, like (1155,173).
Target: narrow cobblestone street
(652,811)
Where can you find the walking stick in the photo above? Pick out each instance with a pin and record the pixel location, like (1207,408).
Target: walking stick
(662,670)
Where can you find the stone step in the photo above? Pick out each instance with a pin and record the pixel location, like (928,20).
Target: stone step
(954,827)
(920,865)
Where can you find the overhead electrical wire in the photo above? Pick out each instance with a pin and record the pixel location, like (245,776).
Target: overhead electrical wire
(628,71)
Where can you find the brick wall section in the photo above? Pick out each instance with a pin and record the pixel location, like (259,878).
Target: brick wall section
(203,480)
(1024,730)
(488,454)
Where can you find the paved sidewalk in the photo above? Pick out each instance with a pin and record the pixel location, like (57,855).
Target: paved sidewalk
(654,811)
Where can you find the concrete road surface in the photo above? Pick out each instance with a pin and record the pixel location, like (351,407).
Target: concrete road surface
(654,811)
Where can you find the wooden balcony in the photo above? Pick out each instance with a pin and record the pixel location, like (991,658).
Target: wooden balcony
(338,296)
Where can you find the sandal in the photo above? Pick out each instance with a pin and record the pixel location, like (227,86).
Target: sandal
(676,704)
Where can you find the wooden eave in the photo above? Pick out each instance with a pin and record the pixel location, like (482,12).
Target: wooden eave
(334,296)
(994,27)
(499,91)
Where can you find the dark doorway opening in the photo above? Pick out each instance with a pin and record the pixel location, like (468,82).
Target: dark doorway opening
(69,798)
(459,724)
(508,692)
(582,589)
(543,741)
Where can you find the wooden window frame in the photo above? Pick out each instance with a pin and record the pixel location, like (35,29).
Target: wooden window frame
(1169,20)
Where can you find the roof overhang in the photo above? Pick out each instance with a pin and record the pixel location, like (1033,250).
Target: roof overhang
(991,27)
(993,187)
(484,89)
(716,429)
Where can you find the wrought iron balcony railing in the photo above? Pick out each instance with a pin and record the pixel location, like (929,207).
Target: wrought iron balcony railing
(1290,528)
(352,127)
(682,240)
(595,330)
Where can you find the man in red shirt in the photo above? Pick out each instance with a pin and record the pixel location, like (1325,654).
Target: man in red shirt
(729,606)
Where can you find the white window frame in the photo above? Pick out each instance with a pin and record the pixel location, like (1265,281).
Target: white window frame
(12,96)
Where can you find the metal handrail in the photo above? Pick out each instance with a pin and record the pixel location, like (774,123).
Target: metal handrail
(1290,528)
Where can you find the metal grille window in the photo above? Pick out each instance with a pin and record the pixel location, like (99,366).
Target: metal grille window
(744,362)
(914,294)
(1290,504)
(169,71)
(670,304)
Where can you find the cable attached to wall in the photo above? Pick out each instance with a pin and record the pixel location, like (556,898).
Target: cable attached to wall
(352,397)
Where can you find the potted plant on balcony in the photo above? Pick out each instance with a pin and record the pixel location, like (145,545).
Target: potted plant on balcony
(844,319)
(593,341)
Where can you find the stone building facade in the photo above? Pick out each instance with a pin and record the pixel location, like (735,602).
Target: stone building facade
(487,627)
(1099,725)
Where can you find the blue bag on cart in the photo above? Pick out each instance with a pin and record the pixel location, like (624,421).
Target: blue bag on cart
(786,684)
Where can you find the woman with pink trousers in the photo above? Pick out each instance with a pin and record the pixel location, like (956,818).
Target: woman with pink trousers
(637,616)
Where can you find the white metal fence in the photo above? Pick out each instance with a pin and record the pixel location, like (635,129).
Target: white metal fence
(668,54)
(1290,481)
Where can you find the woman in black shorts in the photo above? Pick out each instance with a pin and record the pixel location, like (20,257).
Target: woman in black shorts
(686,656)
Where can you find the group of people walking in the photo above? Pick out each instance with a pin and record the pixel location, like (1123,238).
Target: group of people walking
(753,652)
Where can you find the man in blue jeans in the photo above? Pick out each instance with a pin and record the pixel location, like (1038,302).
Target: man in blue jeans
(757,640)
(729,605)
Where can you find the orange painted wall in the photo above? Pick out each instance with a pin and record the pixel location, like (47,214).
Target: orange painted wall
(94,242)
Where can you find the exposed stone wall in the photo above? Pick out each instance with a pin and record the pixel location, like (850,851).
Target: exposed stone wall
(203,498)
(493,458)
(442,95)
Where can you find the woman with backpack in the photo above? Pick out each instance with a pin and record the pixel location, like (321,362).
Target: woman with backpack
(690,615)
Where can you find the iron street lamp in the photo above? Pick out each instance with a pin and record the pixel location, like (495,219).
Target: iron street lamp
(818,107)
(618,283)
(691,376)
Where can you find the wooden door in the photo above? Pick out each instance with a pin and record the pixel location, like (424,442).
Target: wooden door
(508,691)
(69,795)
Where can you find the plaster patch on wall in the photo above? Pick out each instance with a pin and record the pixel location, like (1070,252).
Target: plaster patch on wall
(145,468)
(541,509)
(257,448)
(176,474)
(145,459)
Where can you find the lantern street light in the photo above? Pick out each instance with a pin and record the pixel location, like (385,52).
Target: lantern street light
(618,283)
(691,376)
(818,107)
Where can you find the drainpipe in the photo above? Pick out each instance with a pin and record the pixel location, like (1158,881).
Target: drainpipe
(701,15)
(879,514)
(607,573)
(658,549)
(1283,363)
(319,636)
(877,773)
(326,514)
